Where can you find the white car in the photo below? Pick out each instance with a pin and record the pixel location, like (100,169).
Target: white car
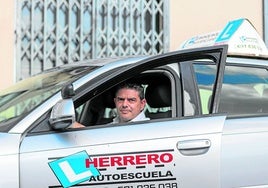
(208,126)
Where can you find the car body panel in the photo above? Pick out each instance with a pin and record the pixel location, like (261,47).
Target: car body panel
(179,140)
(9,159)
(244,152)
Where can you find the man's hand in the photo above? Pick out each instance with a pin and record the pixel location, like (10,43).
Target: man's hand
(76,125)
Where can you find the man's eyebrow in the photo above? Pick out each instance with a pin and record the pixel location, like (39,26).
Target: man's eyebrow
(118,97)
(131,98)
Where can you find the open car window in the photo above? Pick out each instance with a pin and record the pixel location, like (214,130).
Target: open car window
(101,109)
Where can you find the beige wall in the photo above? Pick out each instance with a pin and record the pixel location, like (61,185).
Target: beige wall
(187,18)
(191,17)
(6,43)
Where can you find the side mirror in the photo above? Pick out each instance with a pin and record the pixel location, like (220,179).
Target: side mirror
(63,113)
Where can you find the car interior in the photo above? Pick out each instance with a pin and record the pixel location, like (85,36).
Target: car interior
(101,109)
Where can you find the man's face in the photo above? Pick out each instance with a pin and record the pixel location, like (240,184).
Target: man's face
(128,104)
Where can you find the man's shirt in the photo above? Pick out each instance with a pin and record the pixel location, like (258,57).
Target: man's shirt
(140,117)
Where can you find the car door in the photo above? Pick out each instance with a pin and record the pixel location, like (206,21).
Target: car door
(245,136)
(181,151)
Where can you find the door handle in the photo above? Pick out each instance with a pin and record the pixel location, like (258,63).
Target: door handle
(193,147)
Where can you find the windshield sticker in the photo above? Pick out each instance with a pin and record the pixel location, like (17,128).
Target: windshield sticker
(71,170)
(155,169)
(134,170)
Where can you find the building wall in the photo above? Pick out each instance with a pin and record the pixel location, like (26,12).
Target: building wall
(7,46)
(191,17)
(187,19)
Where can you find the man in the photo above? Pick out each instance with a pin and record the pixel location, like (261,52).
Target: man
(130,102)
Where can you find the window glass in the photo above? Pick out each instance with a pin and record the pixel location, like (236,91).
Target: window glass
(205,77)
(244,90)
(21,98)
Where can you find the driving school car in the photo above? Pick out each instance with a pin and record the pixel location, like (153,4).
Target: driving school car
(208,110)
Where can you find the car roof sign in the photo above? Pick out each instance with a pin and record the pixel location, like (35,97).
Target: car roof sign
(229,30)
(240,35)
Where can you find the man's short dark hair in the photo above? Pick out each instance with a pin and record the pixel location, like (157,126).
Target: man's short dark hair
(139,88)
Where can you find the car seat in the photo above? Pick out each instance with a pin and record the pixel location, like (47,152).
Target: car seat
(158,97)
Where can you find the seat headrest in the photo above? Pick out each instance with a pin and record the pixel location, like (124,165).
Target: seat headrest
(158,95)
(108,99)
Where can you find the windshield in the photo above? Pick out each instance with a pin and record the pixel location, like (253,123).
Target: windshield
(21,98)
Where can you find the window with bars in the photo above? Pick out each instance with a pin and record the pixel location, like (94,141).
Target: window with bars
(50,33)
